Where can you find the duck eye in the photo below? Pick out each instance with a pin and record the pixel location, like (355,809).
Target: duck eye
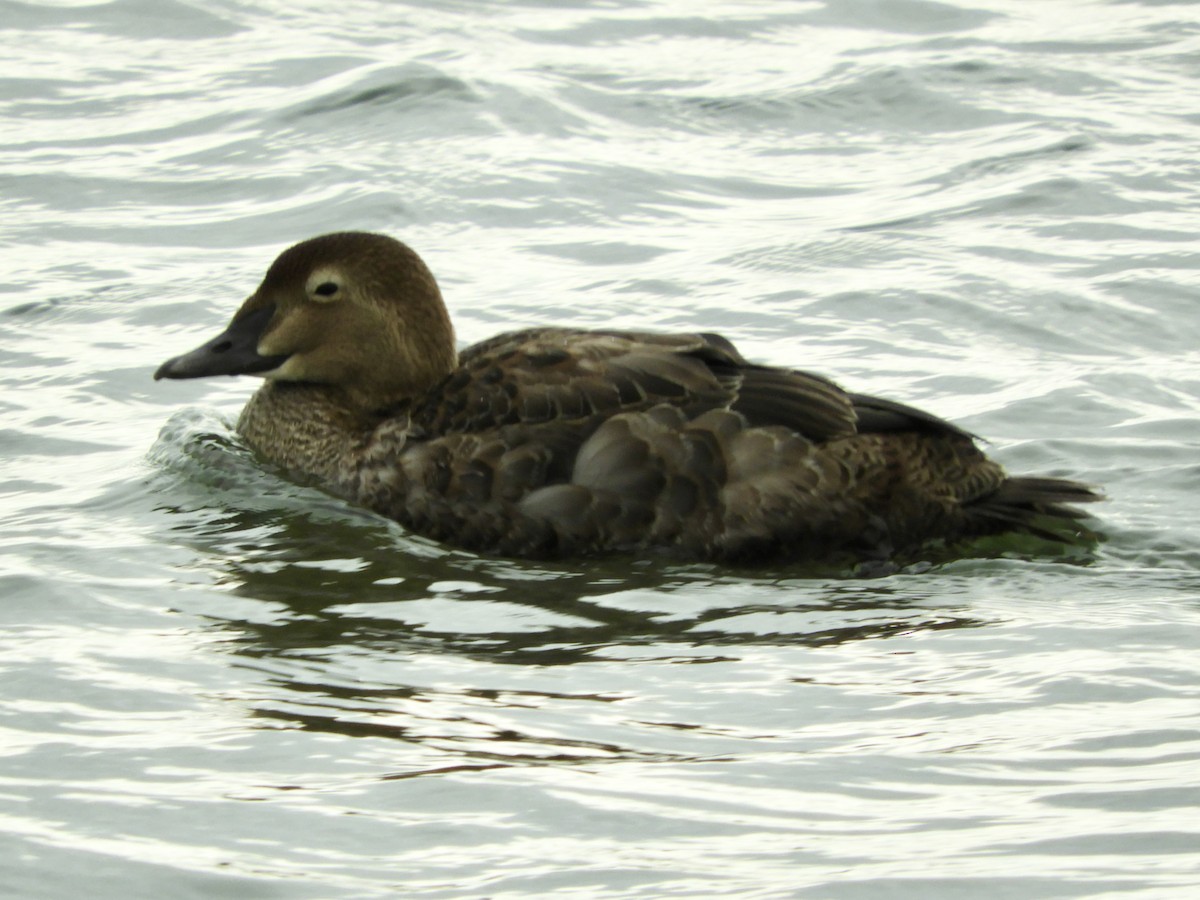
(326,289)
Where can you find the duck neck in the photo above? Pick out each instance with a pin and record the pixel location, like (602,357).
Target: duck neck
(312,430)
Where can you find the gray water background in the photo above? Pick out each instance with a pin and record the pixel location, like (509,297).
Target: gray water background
(214,682)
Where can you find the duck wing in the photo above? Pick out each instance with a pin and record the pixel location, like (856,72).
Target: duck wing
(547,374)
(879,416)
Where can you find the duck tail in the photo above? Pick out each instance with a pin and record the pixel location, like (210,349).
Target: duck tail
(1020,503)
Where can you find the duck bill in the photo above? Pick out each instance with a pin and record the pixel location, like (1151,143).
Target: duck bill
(232,352)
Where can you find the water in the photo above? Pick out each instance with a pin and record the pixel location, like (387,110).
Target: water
(217,683)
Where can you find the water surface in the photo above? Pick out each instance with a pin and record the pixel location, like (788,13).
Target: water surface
(217,682)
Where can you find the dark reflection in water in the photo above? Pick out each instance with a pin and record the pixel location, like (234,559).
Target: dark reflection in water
(313,567)
(346,712)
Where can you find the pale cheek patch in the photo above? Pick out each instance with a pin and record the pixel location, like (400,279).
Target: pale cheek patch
(289,371)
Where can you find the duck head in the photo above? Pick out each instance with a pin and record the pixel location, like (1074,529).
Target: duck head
(356,311)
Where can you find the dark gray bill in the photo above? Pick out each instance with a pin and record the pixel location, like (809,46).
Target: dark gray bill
(232,352)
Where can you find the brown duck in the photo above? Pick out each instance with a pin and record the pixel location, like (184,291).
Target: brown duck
(557,442)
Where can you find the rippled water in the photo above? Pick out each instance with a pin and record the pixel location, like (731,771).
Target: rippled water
(219,683)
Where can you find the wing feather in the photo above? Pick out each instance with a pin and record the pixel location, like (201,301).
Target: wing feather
(541,375)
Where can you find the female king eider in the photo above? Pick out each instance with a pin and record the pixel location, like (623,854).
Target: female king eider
(553,442)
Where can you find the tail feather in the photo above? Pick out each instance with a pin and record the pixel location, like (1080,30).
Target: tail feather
(1020,501)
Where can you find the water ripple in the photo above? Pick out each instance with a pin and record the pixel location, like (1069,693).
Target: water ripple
(220,682)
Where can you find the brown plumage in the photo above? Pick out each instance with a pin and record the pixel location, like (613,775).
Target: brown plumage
(555,442)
